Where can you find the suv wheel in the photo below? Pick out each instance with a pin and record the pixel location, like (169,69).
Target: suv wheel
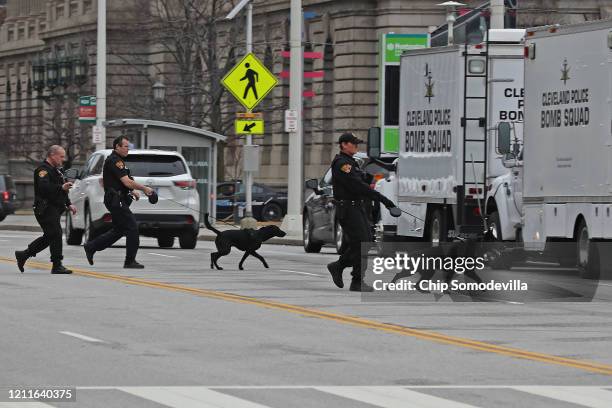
(309,245)
(340,238)
(272,212)
(188,240)
(165,241)
(73,236)
(89,233)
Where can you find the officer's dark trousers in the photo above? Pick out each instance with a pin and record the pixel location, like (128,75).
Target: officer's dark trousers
(124,224)
(52,235)
(356,227)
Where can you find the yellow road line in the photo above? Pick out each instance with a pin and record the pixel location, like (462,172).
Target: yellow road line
(346,319)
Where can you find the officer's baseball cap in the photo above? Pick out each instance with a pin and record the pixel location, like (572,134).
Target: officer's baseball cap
(348,137)
(153,198)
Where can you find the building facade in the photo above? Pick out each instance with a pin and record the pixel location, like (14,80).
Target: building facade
(146,47)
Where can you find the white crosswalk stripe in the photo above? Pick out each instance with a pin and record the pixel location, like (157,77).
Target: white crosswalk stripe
(393,397)
(190,397)
(379,396)
(588,397)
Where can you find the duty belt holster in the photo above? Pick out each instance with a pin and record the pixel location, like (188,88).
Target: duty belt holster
(113,198)
(40,207)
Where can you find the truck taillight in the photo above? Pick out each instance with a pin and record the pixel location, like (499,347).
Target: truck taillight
(190,219)
(474,190)
(186,184)
(476,211)
(6,196)
(107,218)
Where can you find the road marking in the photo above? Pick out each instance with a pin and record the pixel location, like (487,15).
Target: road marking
(190,397)
(392,397)
(593,398)
(302,273)
(348,320)
(82,337)
(24,404)
(166,256)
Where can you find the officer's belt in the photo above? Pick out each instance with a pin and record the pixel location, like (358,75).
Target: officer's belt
(350,202)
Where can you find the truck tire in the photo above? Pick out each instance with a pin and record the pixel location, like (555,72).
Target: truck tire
(310,246)
(435,235)
(586,253)
(495,226)
(73,236)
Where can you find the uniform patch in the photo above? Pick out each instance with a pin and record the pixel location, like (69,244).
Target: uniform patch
(120,164)
(346,168)
(42,173)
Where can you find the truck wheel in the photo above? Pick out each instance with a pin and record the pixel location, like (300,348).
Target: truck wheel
(434,228)
(73,236)
(165,241)
(188,240)
(586,253)
(272,212)
(495,226)
(309,245)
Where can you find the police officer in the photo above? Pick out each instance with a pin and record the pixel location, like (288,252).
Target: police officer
(50,201)
(352,191)
(119,191)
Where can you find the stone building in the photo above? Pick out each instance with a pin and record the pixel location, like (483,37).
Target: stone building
(345,32)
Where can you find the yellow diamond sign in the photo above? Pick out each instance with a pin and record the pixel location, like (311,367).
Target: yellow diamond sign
(249,81)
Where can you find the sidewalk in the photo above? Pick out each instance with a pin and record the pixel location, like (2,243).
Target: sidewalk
(25,221)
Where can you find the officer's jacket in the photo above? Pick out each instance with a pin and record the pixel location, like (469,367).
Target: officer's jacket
(114,170)
(350,182)
(48,181)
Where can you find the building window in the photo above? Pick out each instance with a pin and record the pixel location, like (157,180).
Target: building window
(59,11)
(87,6)
(20,32)
(74,8)
(11,34)
(31,29)
(42,27)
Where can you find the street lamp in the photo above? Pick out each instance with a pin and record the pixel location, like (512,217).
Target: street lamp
(159,96)
(451,7)
(65,69)
(159,92)
(51,66)
(38,73)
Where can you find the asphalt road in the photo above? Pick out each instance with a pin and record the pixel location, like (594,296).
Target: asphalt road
(179,334)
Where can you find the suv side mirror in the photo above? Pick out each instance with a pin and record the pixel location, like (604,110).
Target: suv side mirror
(374,142)
(312,184)
(71,174)
(503,138)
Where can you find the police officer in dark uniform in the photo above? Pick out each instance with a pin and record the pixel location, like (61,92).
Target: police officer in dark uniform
(119,192)
(50,201)
(352,192)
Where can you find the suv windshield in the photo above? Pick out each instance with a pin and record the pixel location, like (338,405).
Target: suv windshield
(153,165)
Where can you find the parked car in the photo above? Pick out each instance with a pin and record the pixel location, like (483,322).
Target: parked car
(175,215)
(269,204)
(8,196)
(319,212)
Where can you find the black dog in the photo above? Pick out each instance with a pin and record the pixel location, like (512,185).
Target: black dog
(247,240)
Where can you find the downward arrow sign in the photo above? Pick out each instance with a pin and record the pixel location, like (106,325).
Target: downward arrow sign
(248,127)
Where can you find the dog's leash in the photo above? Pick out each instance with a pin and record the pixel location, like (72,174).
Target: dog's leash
(198,211)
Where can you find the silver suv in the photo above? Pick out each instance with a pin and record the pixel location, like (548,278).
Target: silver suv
(175,215)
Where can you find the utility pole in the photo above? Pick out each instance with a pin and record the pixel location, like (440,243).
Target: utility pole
(101,73)
(292,223)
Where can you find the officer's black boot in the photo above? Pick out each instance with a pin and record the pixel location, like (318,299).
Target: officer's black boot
(357,285)
(22,257)
(335,269)
(132,264)
(89,252)
(59,269)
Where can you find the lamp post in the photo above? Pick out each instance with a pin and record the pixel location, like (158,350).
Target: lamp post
(159,96)
(451,7)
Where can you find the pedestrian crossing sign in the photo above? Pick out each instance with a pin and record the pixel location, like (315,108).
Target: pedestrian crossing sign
(249,127)
(249,81)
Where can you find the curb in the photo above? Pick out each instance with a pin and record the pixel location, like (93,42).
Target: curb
(273,241)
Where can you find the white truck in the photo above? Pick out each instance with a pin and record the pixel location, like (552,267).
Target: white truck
(451,101)
(561,181)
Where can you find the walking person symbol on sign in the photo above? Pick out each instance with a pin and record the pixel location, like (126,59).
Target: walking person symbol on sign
(249,81)
(252,78)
